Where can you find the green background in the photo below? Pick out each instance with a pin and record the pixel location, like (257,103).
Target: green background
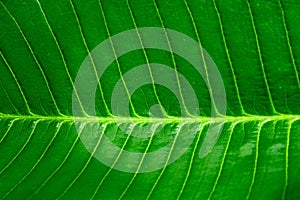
(255,47)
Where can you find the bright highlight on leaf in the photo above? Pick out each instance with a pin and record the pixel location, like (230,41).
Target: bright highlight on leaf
(182,99)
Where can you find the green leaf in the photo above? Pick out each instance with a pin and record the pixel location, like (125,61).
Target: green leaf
(190,99)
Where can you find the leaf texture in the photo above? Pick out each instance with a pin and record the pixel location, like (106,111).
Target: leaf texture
(249,152)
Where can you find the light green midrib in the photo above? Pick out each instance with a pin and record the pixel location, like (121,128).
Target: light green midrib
(169,119)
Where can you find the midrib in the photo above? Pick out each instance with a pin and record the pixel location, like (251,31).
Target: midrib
(170,119)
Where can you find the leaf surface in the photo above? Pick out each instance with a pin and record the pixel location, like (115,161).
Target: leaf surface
(160,148)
